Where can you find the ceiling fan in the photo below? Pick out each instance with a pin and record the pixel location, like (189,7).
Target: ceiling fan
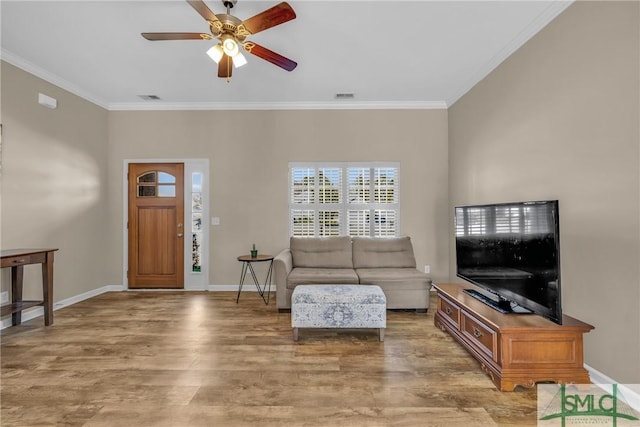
(232,33)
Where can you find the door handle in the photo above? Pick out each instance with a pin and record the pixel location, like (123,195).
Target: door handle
(180,234)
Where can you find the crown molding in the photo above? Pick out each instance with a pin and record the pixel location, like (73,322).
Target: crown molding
(537,24)
(54,79)
(337,105)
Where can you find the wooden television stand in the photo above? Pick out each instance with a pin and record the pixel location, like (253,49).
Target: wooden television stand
(513,349)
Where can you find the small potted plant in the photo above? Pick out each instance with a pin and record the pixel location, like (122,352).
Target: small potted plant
(254,251)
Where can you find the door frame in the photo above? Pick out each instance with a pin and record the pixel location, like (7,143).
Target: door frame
(192,281)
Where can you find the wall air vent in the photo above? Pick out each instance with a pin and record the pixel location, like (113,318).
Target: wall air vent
(345,95)
(150,97)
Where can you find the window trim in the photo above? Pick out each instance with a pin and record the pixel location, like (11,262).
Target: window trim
(344,207)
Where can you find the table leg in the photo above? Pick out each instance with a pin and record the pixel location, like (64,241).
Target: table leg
(47,289)
(255,280)
(268,280)
(242,275)
(17,275)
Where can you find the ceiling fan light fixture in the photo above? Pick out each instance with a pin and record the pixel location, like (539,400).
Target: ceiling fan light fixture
(239,60)
(230,45)
(216,53)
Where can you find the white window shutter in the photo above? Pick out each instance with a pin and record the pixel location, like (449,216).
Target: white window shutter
(333,199)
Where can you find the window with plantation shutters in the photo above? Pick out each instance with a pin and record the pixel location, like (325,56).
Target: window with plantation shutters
(338,199)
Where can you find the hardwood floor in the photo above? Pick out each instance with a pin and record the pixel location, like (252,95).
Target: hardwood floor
(198,359)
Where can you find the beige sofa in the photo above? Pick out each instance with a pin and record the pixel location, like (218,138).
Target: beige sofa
(386,262)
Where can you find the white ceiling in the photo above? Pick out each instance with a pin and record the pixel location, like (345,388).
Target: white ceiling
(390,54)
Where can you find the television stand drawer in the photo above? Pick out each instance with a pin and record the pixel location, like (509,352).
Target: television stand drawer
(450,311)
(480,335)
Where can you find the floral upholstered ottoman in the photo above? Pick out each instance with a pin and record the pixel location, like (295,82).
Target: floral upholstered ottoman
(338,306)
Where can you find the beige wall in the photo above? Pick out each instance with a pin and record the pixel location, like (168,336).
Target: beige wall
(560,120)
(249,153)
(62,175)
(54,184)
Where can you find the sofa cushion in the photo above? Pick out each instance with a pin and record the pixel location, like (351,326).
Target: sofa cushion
(390,278)
(329,276)
(321,252)
(396,252)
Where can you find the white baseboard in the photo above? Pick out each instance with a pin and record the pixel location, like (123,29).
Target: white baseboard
(247,287)
(195,287)
(39,311)
(631,396)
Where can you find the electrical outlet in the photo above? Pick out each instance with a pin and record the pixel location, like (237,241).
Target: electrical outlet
(4,297)
(427,269)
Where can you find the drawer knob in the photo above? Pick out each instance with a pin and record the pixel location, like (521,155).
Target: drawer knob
(447,310)
(476,332)
(18,261)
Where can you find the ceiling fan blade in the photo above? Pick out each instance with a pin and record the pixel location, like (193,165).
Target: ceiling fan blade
(214,23)
(176,36)
(271,56)
(225,67)
(277,15)
(203,10)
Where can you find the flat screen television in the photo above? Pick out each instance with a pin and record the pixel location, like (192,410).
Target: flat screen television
(511,250)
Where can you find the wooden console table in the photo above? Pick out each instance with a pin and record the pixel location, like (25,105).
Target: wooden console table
(16,259)
(513,349)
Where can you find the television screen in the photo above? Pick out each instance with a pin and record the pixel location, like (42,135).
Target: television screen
(513,251)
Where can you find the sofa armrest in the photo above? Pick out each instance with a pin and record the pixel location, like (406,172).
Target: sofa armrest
(282,266)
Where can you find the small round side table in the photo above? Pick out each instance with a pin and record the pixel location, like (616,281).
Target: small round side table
(247,265)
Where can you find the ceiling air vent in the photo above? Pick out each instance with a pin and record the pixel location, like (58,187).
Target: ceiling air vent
(345,95)
(150,97)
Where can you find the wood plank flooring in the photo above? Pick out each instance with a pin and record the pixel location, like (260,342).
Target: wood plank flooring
(198,359)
